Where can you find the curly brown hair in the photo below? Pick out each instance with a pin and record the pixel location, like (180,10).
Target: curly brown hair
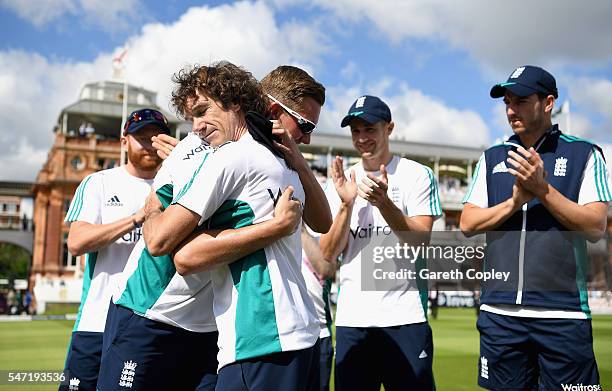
(224,82)
(291,85)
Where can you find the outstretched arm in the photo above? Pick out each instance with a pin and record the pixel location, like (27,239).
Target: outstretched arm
(209,249)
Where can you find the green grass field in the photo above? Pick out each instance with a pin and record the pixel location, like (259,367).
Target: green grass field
(42,345)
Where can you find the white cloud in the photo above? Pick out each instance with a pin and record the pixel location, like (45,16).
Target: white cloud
(24,161)
(420,117)
(349,71)
(590,107)
(108,15)
(577,125)
(593,94)
(500,119)
(249,34)
(40,12)
(558,35)
(590,99)
(417,116)
(112,15)
(502,35)
(244,33)
(36,98)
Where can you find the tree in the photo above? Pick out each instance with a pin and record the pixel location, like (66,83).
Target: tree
(14,261)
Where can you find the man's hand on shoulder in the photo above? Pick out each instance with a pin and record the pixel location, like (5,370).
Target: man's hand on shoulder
(287,213)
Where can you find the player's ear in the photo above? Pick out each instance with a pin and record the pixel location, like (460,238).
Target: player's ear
(549,103)
(390,127)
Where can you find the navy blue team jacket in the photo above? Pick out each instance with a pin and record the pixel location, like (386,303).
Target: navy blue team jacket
(547,264)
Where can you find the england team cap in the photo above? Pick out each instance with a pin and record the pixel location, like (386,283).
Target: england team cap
(369,108)
(527,80)
(141,118)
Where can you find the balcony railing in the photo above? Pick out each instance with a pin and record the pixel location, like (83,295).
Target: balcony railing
(17,224)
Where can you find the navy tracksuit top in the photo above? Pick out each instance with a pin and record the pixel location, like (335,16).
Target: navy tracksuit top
(547,264)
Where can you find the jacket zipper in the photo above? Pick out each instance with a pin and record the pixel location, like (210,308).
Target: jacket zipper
(521,260)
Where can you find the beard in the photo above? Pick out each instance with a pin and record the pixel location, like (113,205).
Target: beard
(144,160)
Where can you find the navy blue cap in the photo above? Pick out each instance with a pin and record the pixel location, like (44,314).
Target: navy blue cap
(370,109)
(141,118)
(527,80)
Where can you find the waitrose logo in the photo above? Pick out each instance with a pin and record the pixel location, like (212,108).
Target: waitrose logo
(581,387)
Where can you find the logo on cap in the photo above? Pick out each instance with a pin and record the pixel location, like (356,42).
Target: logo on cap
(368,108)
(360,102)
(517,72)
(143,117)
(527,80)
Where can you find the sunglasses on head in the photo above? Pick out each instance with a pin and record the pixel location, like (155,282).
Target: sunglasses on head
(306,126)
(144,115)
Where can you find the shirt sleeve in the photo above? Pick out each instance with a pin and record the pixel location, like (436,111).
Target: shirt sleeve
(174,172)
(596,184)
(86,205)
(477,191)
(423,199)
(220,176)
(164,175)
(164,184)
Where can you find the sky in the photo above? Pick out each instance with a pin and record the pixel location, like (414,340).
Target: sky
(432,61)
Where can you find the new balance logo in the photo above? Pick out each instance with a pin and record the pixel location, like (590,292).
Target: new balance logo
(114,201)
(560,166)
(423,354)
(484,367)
(500,167)
(127,374)
(74,384)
